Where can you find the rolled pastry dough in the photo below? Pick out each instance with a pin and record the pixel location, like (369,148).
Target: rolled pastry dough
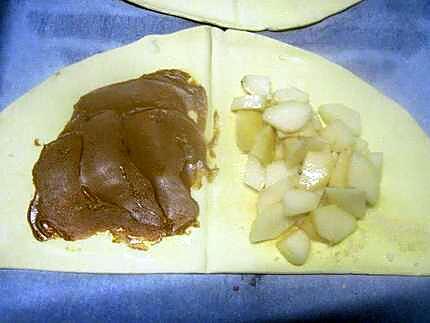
(251,14)
(394,237)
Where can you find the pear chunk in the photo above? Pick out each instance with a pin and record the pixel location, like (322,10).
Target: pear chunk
(333,224)
(316,170)
(306,224)
(248,124)
(279,151)
(256,84)
(300,202)
(294,150)
(331,112)
(295,247)
(351,200)
(339,176)
(364,176)
(316,144)
(274,193)
(278,170)
(306,131)
(248,102)
(269,223)
(338,135)
(288,116)
(255,174)
(264,146)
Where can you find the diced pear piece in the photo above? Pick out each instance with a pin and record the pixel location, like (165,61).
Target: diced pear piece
(248,102)
(288,116)
(306,223)
(279,151)
(331,112)
(248,124)
(294,150)
(264,147)
(351,200)
(255,174)
(281,135)
(269,223)
(316,170)
(290,94)
(295,247)
(307,130)
(338,135)
(324,201)
(256,84)
(316,122)
(339,176)
(377,159)
(276,171)
(300,202)
(333,224)
(361,146)
(274,193)
(364,176)
(316,144)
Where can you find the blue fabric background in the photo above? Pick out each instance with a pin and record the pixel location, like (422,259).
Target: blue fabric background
(386,43)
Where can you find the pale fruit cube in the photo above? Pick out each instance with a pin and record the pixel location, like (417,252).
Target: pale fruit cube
(295,247)
(364,176)
(248,102)
(255,174)
(256,84)
(274,193)
(288,116)
(295,151)
(306,223)
(276,171)
(316,122)
(331,112)
(269,223)
(338,135)
(264,146)
(300,202)
(339,176)
(324,201)
(361,146)
(279,151)
(377,159)
(316,170)
(316,144)
(333,224)
(248,124)
(307,130)
(351,200)
(281,135)
(290,94)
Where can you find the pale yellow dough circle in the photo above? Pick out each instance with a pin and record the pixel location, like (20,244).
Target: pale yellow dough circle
(394,237)
(252,15)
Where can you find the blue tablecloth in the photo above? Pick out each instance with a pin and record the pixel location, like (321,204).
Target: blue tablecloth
(387,43)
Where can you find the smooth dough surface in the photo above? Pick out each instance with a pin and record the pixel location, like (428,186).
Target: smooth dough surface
(251,14)
(394,237)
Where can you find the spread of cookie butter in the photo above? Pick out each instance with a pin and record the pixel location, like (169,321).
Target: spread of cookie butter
(125,162)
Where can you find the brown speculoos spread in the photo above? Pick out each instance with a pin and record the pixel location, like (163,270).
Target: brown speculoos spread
(125,162)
